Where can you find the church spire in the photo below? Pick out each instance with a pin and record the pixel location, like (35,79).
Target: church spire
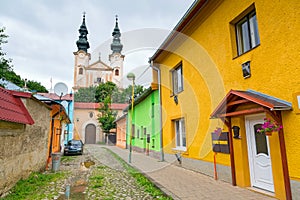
(82,42)
(116,45)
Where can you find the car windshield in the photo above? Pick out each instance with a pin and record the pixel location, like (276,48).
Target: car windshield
(74,143)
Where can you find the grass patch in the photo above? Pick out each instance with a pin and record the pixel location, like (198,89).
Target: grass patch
(67,158)
(35,186)
(141,179)
(96,181)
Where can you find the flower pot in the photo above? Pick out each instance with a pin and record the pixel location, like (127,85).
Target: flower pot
(268,133)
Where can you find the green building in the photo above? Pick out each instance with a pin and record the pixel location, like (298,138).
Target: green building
(144,119)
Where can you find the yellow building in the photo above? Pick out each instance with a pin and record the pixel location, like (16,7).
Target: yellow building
(230,64)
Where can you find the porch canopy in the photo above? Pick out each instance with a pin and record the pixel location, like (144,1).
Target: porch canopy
(235,98)
(238,103)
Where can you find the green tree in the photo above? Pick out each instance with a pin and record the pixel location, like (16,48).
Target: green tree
(36,86)
(106,117)
(124,95)
(5,64)
(86,94)
(105,90)
(100,92)
(7,73)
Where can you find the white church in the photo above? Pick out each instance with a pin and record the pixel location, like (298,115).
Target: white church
(86,74)
(91,74)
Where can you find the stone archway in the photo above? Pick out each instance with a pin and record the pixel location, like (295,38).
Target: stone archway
(90,134)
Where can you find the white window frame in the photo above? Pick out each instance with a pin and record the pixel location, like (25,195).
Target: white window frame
(180,134)
(247,35)
(177,79)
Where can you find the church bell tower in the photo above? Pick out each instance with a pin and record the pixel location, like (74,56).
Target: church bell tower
(116,58)
(82,57)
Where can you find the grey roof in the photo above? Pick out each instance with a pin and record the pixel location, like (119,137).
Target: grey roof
(42,98)
(278,104)
(9,85)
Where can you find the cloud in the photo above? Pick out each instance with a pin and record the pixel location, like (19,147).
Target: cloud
(43,34)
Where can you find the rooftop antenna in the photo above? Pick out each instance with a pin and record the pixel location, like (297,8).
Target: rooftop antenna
(51,89)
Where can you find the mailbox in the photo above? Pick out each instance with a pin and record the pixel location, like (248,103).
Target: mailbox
(220,142)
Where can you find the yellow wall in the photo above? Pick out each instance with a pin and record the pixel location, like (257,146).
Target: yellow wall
(211,68)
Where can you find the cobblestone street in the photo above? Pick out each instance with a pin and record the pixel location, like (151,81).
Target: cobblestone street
(106,178)
(102,173)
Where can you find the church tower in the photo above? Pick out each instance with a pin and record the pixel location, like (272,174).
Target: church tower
(116,58)
(82,57)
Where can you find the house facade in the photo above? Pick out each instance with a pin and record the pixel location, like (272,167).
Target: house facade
(230,65)
(86,124)
(66,105)
(121,131)
(143,124)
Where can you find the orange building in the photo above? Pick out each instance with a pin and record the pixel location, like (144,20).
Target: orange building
(121,131)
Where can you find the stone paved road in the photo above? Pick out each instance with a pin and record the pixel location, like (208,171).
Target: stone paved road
(116,182)
(184,184)
(105,179)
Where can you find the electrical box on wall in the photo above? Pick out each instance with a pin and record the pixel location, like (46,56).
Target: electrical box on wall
(246,69)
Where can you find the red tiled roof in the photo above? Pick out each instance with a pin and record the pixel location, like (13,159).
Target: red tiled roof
(118,106)
(12,108)
(114,106)
(56,97)
(83,105)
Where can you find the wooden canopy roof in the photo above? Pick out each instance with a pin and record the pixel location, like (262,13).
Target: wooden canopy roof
(234,98)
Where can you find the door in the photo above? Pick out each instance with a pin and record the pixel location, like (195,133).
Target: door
(259,154)
(90,134)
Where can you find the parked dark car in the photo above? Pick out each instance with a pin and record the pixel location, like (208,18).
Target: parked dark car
(73,147)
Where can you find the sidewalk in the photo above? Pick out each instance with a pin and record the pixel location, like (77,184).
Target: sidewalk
(185,184)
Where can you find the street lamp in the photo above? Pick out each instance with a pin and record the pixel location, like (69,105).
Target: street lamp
(131,77)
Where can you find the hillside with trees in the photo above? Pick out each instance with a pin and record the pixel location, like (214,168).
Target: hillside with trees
(7,73)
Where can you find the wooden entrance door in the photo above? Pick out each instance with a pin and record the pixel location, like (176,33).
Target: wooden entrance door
(261,174)
(90,134)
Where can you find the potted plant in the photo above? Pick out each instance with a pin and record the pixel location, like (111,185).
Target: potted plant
(269,126)
(218,131)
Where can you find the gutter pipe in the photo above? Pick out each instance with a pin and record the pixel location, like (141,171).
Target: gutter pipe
(160,110)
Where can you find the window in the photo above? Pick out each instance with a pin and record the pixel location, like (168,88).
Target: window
(247,33)
(138,133)
(80,71)
(180,135)
(116,72)
(152,110)
(132,131)
(177,79)
(141,136)
(260,141)
(98,80)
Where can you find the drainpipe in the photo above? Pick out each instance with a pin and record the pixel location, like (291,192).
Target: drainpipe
(160,110)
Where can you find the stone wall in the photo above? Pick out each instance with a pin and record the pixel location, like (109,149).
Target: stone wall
(23,148)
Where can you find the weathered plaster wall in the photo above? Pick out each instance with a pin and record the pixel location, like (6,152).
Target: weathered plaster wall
(23,148)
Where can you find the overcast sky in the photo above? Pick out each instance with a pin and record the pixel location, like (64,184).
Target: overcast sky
(43,33)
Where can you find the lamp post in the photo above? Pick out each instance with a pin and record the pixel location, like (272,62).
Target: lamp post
(131,77)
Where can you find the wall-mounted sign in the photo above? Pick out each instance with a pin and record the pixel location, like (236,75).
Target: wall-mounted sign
(220,142)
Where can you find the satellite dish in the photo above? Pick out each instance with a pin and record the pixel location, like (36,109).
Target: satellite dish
(60,89)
